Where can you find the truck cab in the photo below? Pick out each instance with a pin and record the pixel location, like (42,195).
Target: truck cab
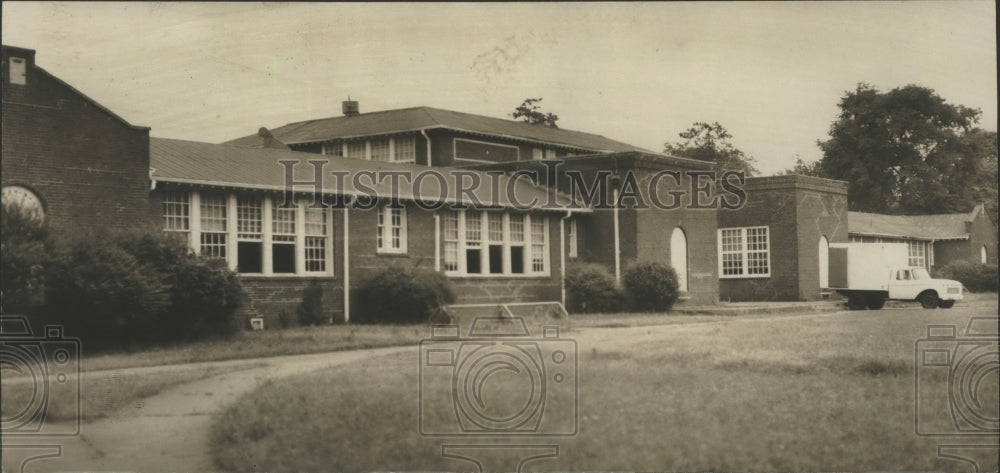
(916,284)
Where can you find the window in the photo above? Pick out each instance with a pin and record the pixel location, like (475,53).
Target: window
(380,149)
(315,241)
(357,149)
(249,234)
(571,237)
(494,243)
(744,252)
(982,254)
(213,225)
(18,71)
(918,256)
(176,212)
(283,239)
(390,232)
(298,238)
(405,149)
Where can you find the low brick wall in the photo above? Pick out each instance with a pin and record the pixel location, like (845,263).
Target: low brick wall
(276,300)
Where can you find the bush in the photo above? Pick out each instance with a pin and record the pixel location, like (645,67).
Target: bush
(310,310)
(25,246)
(651,286)
(590,287)
(976,276)
(403,294)
(141,287)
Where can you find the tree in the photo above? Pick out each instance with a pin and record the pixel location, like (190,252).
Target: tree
(710,142)
(528,112)
(803,168)
(906,151)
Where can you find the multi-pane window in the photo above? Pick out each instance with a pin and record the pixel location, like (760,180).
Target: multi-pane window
(356,149)
(299,237)
(571,239)
(176,212)
(213,225)
(405,149)
(494,243)
(316,228)
(744,252)
(451,241)
(380,149)
(249,234)
(390,231)
(283,239)
(918,254)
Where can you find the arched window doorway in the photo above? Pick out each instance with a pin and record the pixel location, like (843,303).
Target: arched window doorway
(824,262)
(679,257)
(982,254)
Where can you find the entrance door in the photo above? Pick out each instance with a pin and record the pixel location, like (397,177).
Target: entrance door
(679,257)
(824,263)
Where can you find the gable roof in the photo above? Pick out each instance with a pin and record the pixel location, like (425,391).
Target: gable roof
(226,166)
(427,118)
(919,227)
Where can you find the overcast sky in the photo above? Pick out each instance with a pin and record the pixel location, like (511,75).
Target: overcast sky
(771,73)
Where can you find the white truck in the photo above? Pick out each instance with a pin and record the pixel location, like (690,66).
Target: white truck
(868,274)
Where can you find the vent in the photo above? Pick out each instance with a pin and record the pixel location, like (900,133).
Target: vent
(350,108)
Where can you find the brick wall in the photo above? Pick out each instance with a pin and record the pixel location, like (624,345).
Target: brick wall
(275,299)
(89,168)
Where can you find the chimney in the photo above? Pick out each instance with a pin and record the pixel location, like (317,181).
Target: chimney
(269,140)
(350,107)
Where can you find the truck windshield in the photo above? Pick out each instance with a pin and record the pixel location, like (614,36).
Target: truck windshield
(920,273)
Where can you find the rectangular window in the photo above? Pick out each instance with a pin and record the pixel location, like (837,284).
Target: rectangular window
(494,243)
(18,71)
(176,212)
(249,234)
(283,240)
(213,225)
(315,239)
(918,255)
(450,237)
(357,150)
(390,232)
(744,252)
(380,149)
(405,149)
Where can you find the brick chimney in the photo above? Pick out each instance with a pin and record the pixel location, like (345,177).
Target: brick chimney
(350,107)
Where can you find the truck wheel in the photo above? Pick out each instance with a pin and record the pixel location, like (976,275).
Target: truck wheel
(946,304)
(876,302)
(928,299)
(856,301)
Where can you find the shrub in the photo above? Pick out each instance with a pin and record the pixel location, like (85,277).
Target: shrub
(976,276)
(403,294)
(310,310)
(139,287)
(651,286)
(590,287)
(25,246)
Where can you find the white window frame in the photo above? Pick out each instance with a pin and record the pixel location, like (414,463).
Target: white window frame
(916,258)
(462,244)
(744,252)
(572,245)
(232,234)
(385,227)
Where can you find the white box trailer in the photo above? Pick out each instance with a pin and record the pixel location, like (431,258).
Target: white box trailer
(870,273)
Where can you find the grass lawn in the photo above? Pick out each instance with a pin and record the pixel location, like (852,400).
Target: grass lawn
(102,395)
(787,394)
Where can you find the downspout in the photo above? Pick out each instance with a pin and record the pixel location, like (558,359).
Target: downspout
(618,249)
(347,260)
(428,140)
(562,256)
(437,242)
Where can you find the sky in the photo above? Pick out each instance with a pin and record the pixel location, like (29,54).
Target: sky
(771,73)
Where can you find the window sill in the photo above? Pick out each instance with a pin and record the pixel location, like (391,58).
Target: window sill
(752,276)
(252,276)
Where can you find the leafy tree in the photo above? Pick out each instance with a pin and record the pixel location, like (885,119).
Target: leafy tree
(528,112)
(710,142)
(803,168)
(907,151)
